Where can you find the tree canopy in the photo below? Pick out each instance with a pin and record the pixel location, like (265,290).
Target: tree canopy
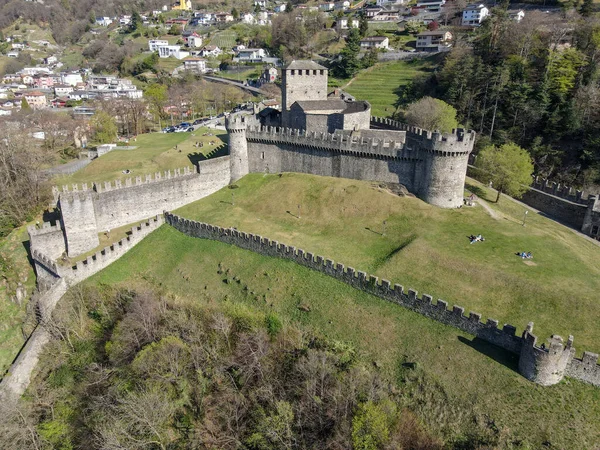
(432,114)
(508,167)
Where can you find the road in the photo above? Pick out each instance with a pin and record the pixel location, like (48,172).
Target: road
(236,83)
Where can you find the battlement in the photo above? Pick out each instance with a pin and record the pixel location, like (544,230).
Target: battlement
(558,190)
(504,337)
(352,145)
(72,191)
(45,228)
(457,134)
(48,263)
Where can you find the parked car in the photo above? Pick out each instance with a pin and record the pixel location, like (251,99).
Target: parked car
(169,130)
(184,124)
(199,122)
(190,129)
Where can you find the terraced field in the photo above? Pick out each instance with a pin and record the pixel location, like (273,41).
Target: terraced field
(224,39)
(380,83)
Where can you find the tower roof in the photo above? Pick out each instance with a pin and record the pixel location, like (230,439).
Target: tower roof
(304,64)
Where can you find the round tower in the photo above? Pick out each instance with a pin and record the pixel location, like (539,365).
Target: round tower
(446,157)
(238,147)
(545,365)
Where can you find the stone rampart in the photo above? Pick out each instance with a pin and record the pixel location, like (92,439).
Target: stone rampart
(543,365)
(561,208)
(503,337)
(48,237)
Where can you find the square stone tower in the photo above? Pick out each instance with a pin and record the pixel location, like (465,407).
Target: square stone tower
(302,80)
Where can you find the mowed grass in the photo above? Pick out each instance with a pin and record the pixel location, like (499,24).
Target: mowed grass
(155,152)
(379,84)
(427,248)
(455,377)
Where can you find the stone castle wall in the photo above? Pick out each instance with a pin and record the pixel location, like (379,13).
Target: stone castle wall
(89,210)
(540,364)
(431,165)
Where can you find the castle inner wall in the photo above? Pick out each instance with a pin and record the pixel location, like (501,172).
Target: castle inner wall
(564,210)
(279,157)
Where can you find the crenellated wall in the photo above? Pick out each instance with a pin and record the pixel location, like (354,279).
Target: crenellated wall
(53,282)
(542,364)
(87,210)
(48,237)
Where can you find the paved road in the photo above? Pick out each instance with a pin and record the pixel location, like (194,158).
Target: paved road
(236,83)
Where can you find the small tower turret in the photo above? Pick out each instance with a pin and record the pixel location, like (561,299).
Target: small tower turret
(238,147)
(545,365)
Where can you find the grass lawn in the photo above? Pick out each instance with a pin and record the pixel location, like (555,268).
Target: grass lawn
(14,268)
(168,64)
(225,40)
(442,388)
(379,83)
(155,152)
(426,248)
(242,75)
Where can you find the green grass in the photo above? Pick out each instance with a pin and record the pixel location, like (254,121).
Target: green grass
(460,376)
(251,72)
(224,39)
(155,152)
(379,84)
(168,64)
(426,248)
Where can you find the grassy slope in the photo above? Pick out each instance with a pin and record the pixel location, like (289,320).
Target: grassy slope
(381,332)
(155,152)
(426,248)
(378,84)
(18,269)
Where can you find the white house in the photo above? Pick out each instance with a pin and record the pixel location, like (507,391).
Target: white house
(432,5)
(125,20)
(104,21)
(167,51)
(375,42)
(280,8)
(61,90)
(50,60)
(194,40)
(344,23)
(195,65)
(473,15)
(13,54)
(390,2)
(153,44)
(434,41)
(18,46)
(211,50)
(517,16)
(251,55)
(261,3)
(327,6)
(72,79)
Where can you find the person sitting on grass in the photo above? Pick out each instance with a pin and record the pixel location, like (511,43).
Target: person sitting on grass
(478,238)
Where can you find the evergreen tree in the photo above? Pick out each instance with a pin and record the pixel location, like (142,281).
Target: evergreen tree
(235,13)
(24,105)
(136,22)
(349,64)
(363,26)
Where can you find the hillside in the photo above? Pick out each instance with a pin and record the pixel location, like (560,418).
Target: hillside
(430,366)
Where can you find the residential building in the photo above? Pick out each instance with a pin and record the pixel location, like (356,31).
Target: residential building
(434,41)
(183,5)
(250,55)
(327,6)
(71,78)
(375,42)
(280,8)
(372,11)
(517,16)
(432,5)
(390,2)
(35,99)
(195,65)
(104,21)
(194,40)
(125,20)
(50,60)
(153,44)
(261,3)
(62,90)
(41,81)
(13,54)
(345,23)
(342,5)
(210,51)
(223,17)
(387,15)
(17,46)
(473,15)
(167,51)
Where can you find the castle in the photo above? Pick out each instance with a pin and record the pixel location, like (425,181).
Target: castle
(315,134)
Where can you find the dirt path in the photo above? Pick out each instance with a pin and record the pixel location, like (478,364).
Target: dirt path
(493,214)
